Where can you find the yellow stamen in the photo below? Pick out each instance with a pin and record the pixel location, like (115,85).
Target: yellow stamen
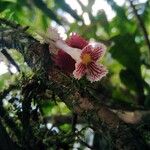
(86,58)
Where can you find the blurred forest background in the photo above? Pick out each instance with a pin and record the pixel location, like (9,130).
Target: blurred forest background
(34,116)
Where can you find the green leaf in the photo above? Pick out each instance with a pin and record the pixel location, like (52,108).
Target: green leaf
(126,51)
(46,108)
(45,22)
(65,127)
(129,79)
(4,5)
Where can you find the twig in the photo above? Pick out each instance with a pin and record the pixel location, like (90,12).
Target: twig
(141,24)
(9,23)
(47,11)
(10,59)
(13,24)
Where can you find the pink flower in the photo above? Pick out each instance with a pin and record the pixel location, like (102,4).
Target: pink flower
(88,63)
(63,60)
(77,56)
(76,41)
(86,60)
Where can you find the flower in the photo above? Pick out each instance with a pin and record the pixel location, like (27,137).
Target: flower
(88,63)
(62,59)
(86,60)
(77,56)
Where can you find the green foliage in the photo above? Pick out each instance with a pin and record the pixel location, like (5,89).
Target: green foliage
(46,107)
(4,5)
(126,51)
(129,79)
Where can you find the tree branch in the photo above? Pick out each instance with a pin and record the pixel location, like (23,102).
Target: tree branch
(43,7)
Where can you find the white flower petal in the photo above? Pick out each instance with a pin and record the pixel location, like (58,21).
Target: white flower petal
(95,72)
(73,52)
(80,70)
(98,51)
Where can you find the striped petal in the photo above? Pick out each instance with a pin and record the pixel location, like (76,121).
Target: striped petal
(95,72)
(87,49)
(80,70)
(96,50)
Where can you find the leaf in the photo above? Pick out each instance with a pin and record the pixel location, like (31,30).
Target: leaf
(45,22)
(46,107)
(4,5)
(126,51)
(129,79)
(68,9)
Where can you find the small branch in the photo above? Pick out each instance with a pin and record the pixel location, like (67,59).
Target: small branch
(132,117)
(141,24)
(13,24)
(47,11)
(9,23)
(10,59)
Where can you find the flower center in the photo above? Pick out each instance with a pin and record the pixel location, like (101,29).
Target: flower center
(86,59)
